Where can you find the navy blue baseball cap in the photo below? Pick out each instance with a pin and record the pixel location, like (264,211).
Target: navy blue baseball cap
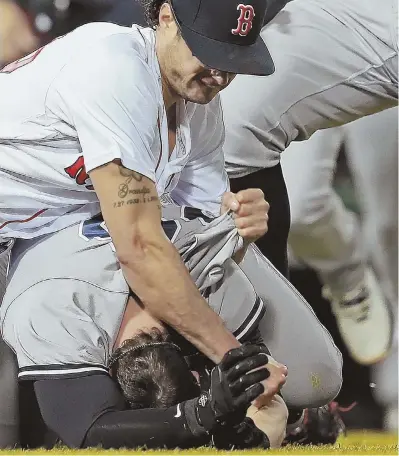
(225,34)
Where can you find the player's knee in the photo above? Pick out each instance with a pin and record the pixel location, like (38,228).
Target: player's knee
(316,380)
(334,382)
(327,382)
(319,389)
(306,211)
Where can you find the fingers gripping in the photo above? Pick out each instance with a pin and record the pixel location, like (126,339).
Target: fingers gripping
(249,395)
(246,381)
(236,355)
(247,365)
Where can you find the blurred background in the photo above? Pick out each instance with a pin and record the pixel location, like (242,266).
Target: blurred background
(369,394)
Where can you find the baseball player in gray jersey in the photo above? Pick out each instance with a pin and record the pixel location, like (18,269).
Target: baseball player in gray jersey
(335,62)
(328,237)
(75,336)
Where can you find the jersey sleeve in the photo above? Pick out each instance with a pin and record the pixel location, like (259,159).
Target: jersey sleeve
(110,97)
(204,179)
(91,412)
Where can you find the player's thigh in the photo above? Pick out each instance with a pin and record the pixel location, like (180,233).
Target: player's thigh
(314,363)
(372,150)
(308,168)
(295,337)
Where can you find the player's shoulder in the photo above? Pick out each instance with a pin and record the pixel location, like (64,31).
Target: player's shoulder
(110,57)
(111,43)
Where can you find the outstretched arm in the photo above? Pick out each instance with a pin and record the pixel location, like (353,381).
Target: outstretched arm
(90,411)
(116,120)
(151,264)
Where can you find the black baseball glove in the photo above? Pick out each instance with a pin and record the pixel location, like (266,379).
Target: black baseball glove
(232,387)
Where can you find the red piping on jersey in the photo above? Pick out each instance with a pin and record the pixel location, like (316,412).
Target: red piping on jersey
(23,221)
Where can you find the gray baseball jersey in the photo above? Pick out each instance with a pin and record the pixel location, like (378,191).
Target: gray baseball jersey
(335,61)
(66,297)
(66,293)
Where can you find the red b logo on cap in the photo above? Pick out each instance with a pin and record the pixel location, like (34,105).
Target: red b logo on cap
(245,19)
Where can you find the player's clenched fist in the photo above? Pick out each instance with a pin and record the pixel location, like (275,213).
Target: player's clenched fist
(250,212)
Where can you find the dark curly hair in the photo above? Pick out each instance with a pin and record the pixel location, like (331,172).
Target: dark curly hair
(152,373)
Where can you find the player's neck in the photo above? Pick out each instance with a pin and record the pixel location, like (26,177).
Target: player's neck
(170,97)
(135,320)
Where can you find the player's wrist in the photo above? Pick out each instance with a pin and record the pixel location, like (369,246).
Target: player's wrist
(200,416)
(205,414)
(196,419)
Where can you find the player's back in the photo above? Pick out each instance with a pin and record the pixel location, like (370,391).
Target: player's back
(24,84)
(38,140)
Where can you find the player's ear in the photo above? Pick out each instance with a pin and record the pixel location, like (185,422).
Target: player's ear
(166,18)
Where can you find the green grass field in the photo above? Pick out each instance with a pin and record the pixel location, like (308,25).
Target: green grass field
(366,442)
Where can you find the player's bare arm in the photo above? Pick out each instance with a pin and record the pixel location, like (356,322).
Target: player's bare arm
(151,264)
(250,214)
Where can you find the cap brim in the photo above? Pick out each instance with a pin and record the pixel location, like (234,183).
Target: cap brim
(253,59)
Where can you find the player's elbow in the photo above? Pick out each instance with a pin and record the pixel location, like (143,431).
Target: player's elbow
(139,244)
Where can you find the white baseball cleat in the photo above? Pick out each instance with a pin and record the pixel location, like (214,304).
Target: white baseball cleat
(364,320)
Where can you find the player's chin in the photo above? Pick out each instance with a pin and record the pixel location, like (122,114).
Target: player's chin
(201,94)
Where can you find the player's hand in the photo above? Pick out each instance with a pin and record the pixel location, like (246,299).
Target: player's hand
(250,212)
(233,386)
(16,36)
(276,380)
